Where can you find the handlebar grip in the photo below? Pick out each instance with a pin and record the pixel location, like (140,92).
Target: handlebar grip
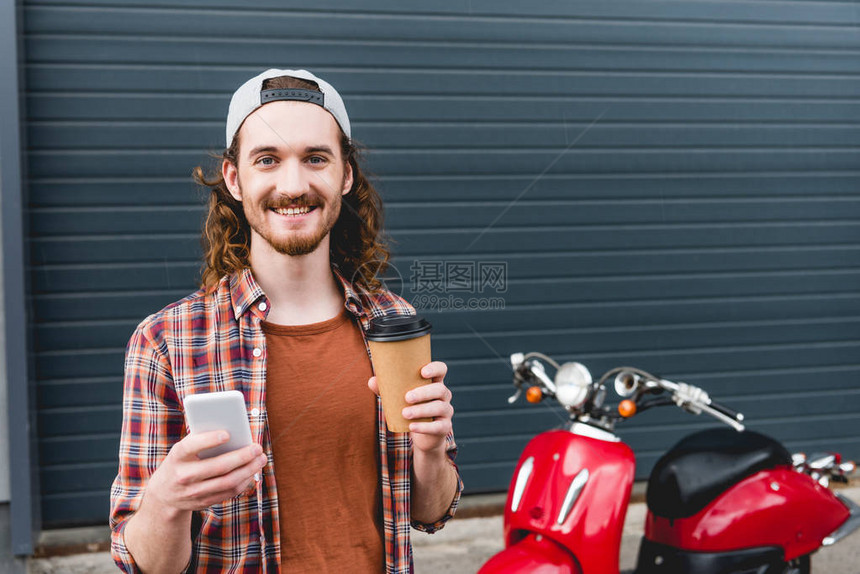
(727,411)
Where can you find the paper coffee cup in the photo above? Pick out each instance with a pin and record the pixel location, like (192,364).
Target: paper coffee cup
(399,347)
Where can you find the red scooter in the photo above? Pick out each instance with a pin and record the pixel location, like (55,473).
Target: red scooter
(721,501)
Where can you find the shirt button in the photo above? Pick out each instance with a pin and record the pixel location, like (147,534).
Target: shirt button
(255,412)
(263,306)
(257,352)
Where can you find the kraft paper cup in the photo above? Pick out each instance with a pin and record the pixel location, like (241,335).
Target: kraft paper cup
(399,347)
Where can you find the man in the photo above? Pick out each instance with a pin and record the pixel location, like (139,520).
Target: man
(292,252)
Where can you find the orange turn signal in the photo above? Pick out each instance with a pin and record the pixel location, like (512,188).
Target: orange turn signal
(534,395)
(626,408)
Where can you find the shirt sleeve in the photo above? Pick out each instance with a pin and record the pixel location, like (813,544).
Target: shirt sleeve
(404,306)
(152,422)
(430,528)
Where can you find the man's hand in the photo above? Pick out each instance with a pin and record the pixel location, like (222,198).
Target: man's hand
(434,479)
(432,400)
(184,482)
(158,534)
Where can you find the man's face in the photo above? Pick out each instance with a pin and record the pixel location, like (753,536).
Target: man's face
(291,176)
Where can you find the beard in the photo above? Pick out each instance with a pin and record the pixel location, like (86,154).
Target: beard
(294,242)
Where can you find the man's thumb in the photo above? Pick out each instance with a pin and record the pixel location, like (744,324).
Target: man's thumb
(371,384)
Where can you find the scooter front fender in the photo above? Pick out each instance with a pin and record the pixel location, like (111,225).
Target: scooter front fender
(534,554)
(590,524)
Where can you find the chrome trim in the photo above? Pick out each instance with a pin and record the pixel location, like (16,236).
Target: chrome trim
(583,429)
(520,486)
(821,461)
(849,526)
(572,494)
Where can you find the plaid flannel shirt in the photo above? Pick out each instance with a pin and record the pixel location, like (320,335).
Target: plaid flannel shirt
(214,342)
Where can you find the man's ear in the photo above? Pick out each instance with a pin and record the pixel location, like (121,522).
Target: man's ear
(347,179)
(231,179)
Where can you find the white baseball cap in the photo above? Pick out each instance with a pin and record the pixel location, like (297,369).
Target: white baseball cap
(251,96)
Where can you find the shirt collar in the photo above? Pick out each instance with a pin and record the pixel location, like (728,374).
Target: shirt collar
(351,299)
(244,292)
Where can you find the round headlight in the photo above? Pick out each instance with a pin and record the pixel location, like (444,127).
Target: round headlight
(572,382)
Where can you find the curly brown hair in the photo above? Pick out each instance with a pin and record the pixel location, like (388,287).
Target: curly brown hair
(357,246)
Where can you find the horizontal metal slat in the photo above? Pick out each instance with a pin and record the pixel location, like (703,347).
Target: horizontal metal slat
(400,53)
(113,250)
(138,220)
(336,24)
(509,239)
(78,478)
(78,450)
(92,307)
(85,421)
(76,509)
(170,275)
(634,314)
(657,339)
(810,12)
(87,392)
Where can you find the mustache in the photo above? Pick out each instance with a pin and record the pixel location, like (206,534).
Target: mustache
(284,202)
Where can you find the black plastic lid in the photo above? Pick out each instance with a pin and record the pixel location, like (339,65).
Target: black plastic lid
(398,328)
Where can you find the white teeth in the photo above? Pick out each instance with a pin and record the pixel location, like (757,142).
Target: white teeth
(292,210)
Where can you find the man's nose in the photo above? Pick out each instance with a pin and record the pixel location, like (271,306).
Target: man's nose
(292,179)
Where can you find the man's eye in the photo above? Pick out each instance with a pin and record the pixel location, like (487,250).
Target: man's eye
(266,160)
(316,160)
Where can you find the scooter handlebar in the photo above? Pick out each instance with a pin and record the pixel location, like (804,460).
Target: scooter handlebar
(729,420)
(728,412)
(540,374)
(527,368)
(695,400)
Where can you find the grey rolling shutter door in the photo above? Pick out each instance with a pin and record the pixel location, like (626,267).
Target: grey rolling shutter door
(672,185)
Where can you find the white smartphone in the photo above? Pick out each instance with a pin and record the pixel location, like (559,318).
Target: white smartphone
(223,410)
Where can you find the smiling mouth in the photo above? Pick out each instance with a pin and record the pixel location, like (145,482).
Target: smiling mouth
(293,211)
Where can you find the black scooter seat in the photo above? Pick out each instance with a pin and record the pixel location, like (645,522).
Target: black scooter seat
(703,465)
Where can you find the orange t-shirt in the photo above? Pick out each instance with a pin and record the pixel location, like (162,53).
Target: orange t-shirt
(323,427)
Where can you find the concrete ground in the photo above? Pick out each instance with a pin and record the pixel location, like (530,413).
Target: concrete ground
(460,548)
